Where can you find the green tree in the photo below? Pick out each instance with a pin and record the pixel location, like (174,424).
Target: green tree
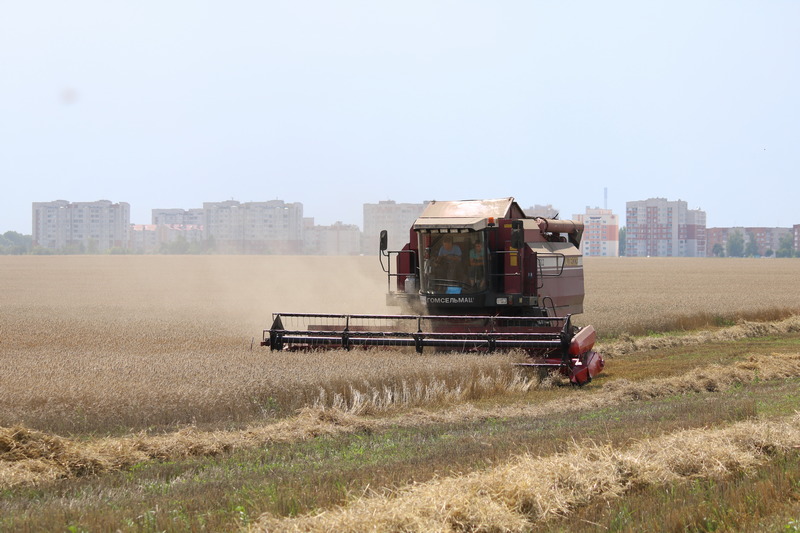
(735,244)
(15,243)
(180,246)
(751,247)
(785,246)
(117,250)
(718,250)
(177,247)
(622,233)
(39,250)
(75,248)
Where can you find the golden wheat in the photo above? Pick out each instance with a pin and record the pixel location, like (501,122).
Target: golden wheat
(116,343)
(636,295)
(28,456)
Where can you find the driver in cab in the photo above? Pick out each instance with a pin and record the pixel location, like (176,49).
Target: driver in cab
(449,257)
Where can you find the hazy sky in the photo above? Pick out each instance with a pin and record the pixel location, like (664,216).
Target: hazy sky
(336,103)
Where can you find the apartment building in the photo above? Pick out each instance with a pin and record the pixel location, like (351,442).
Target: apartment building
(81,227)
(144,238)
(544,211)
(796,233)
(150,238)
(600,232)
(396,219)
(662,228)
(767,240)
(274,227)
(180,217)
(336,239)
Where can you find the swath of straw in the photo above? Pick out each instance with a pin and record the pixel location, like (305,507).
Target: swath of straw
(28,456)
(527,490)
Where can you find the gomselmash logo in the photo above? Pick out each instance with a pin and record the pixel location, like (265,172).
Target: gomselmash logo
(451,299)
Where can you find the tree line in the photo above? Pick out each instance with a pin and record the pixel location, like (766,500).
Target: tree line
(737,247)
(13,243)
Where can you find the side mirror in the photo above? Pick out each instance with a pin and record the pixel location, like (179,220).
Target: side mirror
(517,237)
(384,240)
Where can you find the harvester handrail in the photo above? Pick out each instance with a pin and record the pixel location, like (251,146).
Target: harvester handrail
(431,334)
(519,273)
(425,317)
(339,315)
(558,266)
(388,269)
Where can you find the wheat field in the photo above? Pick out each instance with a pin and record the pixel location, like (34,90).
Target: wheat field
(636,295)
(134,396)
(113,344)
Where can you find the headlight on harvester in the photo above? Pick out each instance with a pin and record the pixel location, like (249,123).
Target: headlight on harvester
(502,300)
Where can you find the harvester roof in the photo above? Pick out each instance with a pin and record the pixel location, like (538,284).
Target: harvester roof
(469,214)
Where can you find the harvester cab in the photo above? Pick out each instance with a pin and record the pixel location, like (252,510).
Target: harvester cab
(486,257)
(475,275)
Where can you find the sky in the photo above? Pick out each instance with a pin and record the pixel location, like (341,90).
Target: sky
(338,103)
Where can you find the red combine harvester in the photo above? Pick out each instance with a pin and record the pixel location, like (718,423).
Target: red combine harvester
(476,275)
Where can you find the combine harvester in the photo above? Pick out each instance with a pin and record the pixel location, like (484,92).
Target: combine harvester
(476,275)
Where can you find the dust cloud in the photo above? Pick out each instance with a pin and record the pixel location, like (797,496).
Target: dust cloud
(238,293)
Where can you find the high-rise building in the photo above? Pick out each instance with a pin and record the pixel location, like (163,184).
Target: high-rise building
(544,211)
(796,232)
(336,239)
(180,217)
(661,228)
(149,238)
(600,232)
(395,218)
(83,227)
(755,240)
(272,227)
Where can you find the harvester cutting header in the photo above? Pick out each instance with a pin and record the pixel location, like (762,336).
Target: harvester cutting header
(475,275)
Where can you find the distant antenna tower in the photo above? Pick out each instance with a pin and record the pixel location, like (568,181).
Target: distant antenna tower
(605,197)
